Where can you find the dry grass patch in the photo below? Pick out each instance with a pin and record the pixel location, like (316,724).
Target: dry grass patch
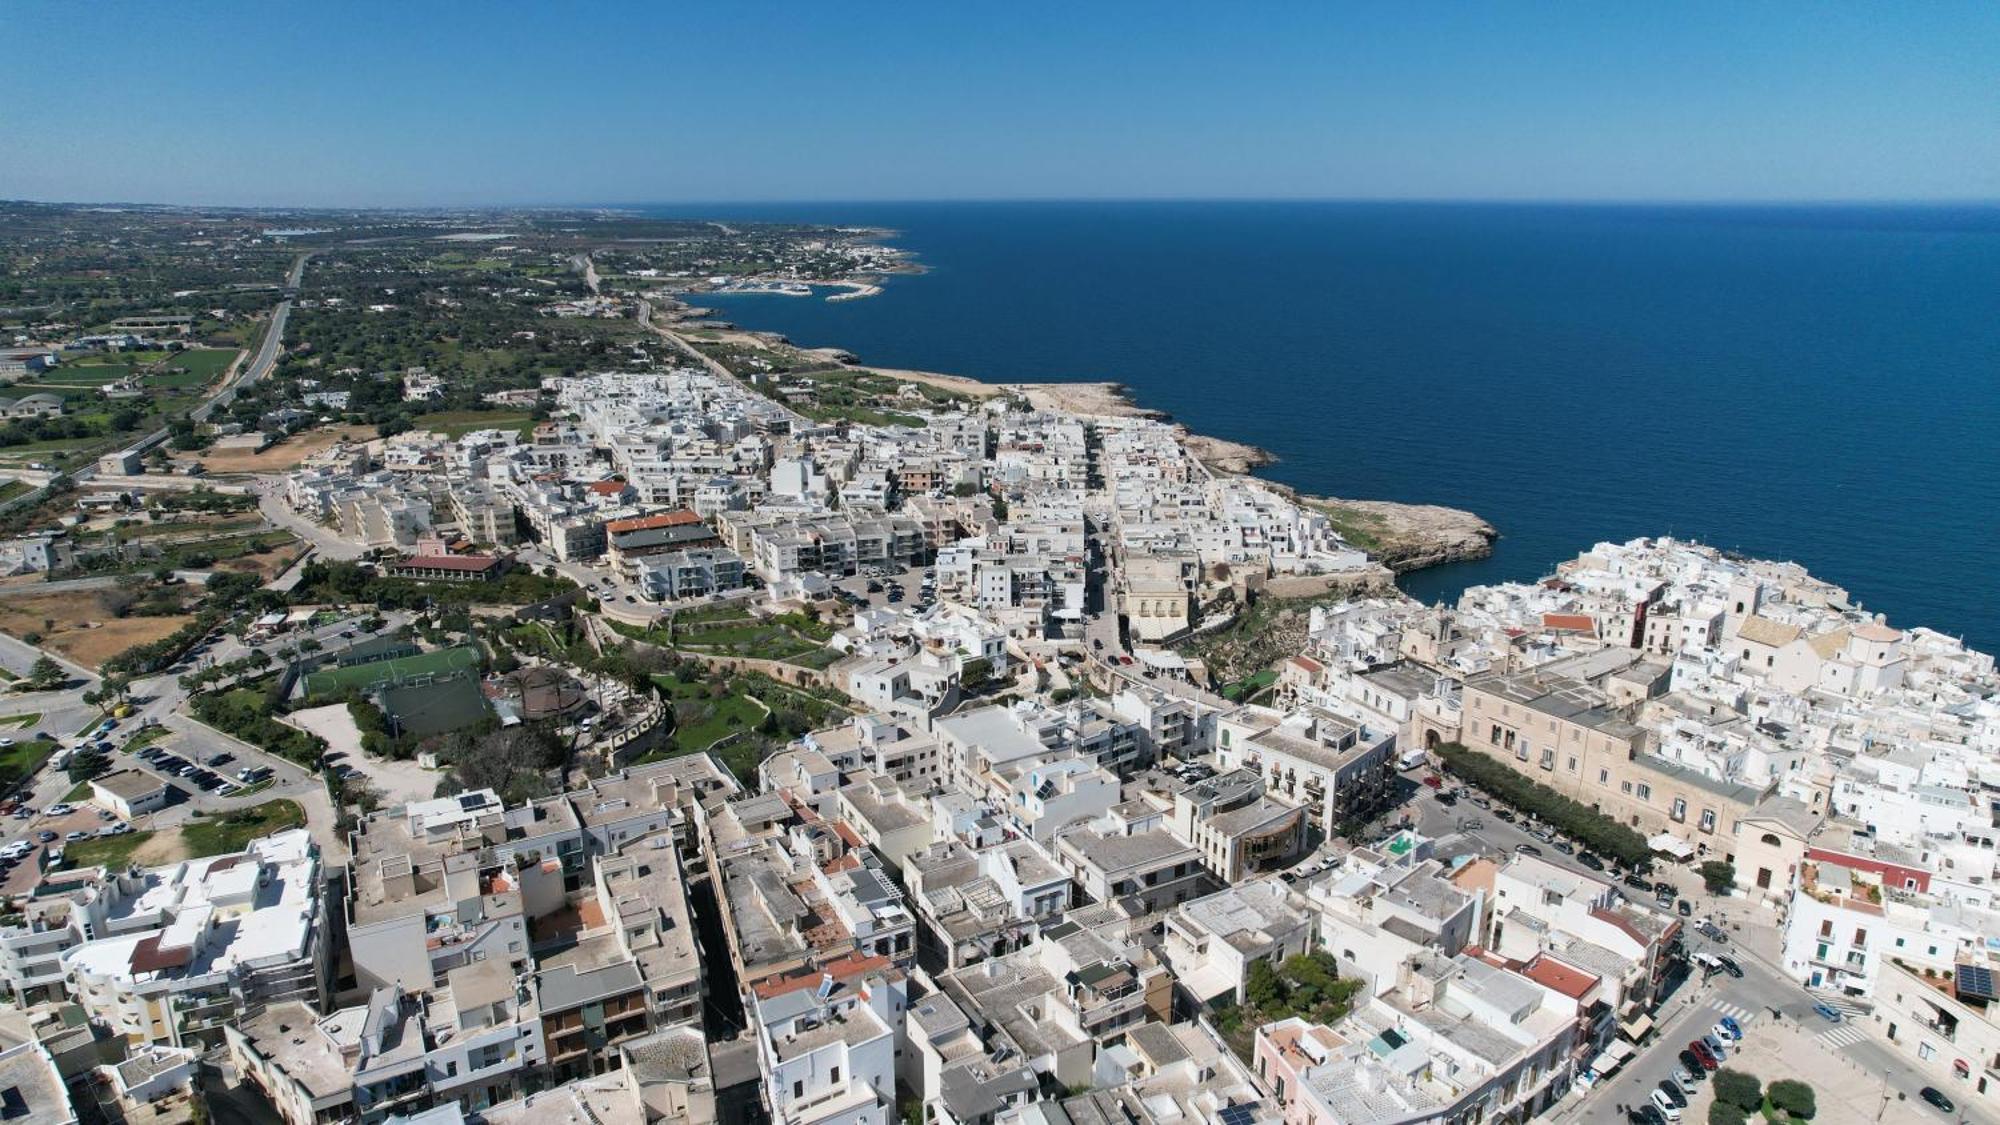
(286,454)
(76,624)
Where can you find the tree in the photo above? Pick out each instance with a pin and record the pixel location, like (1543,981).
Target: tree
(1262,986)
(1722,1113)
(1718,875)
(46,674)
(85,765)
(1738,1089)
(1792,1096)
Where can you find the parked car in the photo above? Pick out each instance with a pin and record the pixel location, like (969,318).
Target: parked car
(1684,1078)
(1828,1012)
(1717,1047)
(1686,909)
(61,808)
(1664,888)
(45,836)
(1730,1025)
(1544,835)
(1505,814)
(1706,1056)
(1691,1063)
(73,837)
(1937,1099)
(1590,860)
(1666,1106)
(1730,967)
(1672,1090)
(1528,849)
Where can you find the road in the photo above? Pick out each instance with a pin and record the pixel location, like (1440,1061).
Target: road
(1696,1006)
(325,541)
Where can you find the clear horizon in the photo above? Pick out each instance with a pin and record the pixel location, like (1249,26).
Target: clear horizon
(374,106)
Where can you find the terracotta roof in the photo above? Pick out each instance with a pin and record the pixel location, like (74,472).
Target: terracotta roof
(1553,974)
(609,487)
(675,518)
(148,957)
(841,969)
(1570,622)
(1308,663)
(469,563)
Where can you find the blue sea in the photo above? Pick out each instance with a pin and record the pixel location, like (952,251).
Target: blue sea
(1811,383)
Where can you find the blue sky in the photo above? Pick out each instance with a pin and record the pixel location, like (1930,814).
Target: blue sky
(434,103)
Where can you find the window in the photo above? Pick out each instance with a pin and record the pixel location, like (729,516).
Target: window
(1645,792)
(1769,838)
(1604,777)
(1679,810)
(1572,763)
(1708,820)
(1826,927)
(1821,955)
(833,1075)
(798,1089)
(1860,936)
(1625,787)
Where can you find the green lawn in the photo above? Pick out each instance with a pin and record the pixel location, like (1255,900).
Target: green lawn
(458,423)
(21,760)
(93,375)
(232,832)
(105,851)
(21,722)
(204,366)
(14,488)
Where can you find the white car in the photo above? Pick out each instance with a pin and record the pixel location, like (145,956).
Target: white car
(1722,1033)
(60,809)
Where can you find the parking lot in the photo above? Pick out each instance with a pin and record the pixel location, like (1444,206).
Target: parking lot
(887,587)
(49,831)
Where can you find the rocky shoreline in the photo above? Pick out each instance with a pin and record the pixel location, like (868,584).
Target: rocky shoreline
(1402,537)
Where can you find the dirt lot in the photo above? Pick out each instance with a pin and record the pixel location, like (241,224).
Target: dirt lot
(267,566)
(284,455)
(75,624)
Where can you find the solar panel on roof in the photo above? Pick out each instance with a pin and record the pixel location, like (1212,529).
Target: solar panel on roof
(1236,1115)
(1975,980)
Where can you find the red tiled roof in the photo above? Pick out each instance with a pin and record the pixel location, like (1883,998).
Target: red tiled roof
(1570,622)
(148,957)
(608,487)
(1308,663)
(841,969)
(469,563)
(675,518)
(1553,974)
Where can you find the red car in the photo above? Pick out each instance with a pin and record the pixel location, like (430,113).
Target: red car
(1434,781)
(1701,1051)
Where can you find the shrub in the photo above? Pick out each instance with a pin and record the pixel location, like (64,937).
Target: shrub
(1792,1096)
(1722,1113)
(1738,1089)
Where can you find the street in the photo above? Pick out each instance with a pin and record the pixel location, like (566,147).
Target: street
(1763,998)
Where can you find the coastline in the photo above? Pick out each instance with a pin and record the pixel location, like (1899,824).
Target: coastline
(1401,537)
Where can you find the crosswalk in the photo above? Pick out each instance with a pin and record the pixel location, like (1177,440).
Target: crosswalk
(1842,1035)
(1737,1012)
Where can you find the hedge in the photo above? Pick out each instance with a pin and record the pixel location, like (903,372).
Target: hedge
(1578,821)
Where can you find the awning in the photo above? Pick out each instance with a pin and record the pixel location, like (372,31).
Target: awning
(1611,1058)
(1670,844)
(1635,1029)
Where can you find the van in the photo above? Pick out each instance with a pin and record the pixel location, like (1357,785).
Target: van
(1708,961)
